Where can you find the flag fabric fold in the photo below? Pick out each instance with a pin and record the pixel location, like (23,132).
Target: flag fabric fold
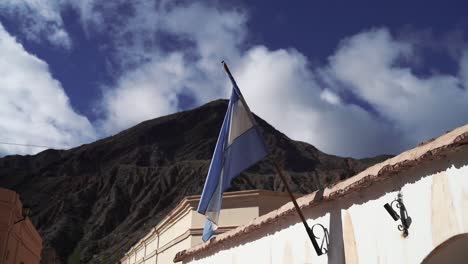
(239,146)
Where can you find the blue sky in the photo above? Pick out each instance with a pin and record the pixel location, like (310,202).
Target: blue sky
(356,78)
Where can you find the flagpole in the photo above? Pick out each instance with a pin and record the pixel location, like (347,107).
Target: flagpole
(298,209)
(309,231)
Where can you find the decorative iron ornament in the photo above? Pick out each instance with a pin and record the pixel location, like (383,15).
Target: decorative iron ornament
(320,250)
(400,206)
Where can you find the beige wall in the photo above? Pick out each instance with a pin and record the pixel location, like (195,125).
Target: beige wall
(152,244)
(168,254)
(175,229)
(435,194)
(230,217)
(18,242)
(183,226)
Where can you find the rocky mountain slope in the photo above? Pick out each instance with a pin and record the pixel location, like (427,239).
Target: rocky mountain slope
(94,201)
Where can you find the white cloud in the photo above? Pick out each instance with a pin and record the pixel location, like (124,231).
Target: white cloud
(145,93)
(279,84)
(166,49)
(38,20)
(154,86)
(33,107)
(131,26)
(215,33)
(419,107)
(282,88)
(330,97)
(464,69)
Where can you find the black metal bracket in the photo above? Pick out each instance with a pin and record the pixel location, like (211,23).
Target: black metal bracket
(320,250)
(400,206)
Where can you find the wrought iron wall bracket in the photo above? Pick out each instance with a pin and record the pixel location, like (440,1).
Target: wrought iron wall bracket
(403,216)
(320,250)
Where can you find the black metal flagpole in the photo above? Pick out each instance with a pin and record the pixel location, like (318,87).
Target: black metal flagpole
(312,237)
(318,250)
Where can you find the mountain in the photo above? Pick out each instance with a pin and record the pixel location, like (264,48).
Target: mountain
(94,201)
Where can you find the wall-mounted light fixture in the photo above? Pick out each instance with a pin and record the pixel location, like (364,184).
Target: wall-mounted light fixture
(405,219)
(320,250)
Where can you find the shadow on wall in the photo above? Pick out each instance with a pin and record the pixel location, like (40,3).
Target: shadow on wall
(336,247)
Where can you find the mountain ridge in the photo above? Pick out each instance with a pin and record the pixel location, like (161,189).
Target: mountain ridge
(94,201)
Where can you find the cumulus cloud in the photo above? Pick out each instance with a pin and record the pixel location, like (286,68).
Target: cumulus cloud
(39,20)
(158,81)
(464,69)
(400,109)
(214,33)
(149,91)
(419,107)
(366,100)
(280,87)
(33,107)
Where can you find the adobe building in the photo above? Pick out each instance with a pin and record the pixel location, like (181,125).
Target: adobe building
(412,208)
(20,243)
(182,228)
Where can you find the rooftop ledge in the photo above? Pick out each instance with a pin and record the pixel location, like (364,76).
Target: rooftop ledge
(430,150)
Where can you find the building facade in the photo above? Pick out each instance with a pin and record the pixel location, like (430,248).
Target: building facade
(182,228)
(20,243)
(423,190)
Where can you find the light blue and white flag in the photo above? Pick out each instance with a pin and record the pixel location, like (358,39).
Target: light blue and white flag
(239,146)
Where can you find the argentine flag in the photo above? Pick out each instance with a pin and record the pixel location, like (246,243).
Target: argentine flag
(239,146)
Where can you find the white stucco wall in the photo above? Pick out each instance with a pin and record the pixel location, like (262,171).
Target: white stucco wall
(362,231)
(427,200)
